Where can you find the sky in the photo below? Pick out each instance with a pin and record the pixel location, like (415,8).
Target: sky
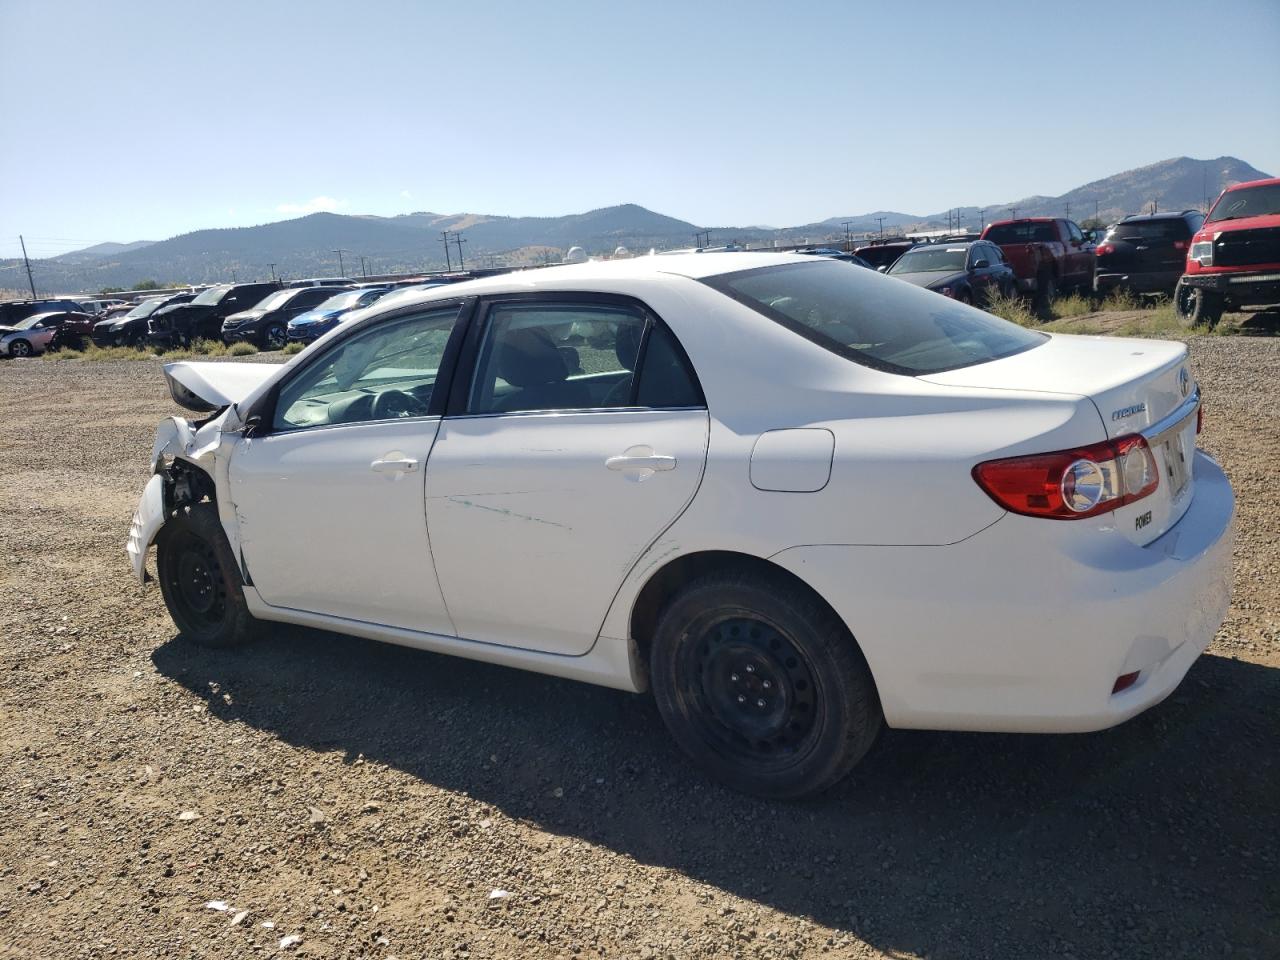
(141,120)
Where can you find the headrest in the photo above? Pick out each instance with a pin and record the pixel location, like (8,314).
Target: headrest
(529,357)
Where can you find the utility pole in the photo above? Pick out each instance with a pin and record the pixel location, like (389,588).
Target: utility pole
(1013,213)
(848,236)
(982,219)
(28,266)
(1068,202)
(458,241)
(880,220)
(1095,210)
(444,238)
(364,268)
(273,270)
(233,275)
(342,270)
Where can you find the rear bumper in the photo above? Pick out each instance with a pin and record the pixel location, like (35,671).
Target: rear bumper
(1026,626)
(1162,281)
(1256,287)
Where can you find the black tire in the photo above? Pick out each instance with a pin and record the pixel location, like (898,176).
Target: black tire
(275,337)
(200,580)
(1197,307)
(1046,288)
(965,297)
(20,348)
(762,685)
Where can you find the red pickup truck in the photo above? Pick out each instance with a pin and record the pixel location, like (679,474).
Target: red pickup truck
(1234,258)
(1047,254)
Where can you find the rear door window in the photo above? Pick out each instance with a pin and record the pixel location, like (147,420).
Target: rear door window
(891,326)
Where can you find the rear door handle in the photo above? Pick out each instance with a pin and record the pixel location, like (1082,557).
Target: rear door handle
(640,462)
(399,465)
(651,462)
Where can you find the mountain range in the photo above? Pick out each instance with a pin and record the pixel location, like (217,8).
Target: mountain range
(412,242)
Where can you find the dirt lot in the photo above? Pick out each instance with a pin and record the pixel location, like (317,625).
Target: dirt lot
(369,799)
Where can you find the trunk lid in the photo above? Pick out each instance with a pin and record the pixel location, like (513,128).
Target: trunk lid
(1137,386)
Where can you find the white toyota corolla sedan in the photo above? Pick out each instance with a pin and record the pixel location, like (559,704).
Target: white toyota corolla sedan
(796,499)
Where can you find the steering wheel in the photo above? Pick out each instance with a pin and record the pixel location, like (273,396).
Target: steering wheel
(395,404)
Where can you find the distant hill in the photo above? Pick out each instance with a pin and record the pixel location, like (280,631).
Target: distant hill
(411,242)
(101,251)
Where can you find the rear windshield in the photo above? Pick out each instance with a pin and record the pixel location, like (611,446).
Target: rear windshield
(1249,202)
(888,325)
(1172,229)
(931,260)
(1003,233)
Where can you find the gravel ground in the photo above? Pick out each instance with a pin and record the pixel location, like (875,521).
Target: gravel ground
(158,800)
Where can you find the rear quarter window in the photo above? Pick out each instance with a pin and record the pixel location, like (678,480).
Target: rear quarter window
(876,321)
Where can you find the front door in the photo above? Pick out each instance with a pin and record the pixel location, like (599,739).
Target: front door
(330,499)
(580,437)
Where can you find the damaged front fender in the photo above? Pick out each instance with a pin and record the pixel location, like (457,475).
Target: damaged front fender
(147,521)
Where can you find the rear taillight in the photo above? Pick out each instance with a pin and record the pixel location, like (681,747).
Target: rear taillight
(1179,244)
(1072,484)
(1104,249)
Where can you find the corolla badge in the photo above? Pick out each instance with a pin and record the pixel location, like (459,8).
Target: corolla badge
(1129,411)
(1184,381)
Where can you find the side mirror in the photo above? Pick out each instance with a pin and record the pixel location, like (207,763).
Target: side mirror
(981,264)
(883,268)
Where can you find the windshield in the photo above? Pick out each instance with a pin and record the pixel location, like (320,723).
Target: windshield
(144,309)
(895,327)
(342,301)
(211,296)
(1249,202)
(274,300)
(32,320)
(1003,233)
(930,260)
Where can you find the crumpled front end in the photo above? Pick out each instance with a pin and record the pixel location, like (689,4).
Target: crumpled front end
(148,518)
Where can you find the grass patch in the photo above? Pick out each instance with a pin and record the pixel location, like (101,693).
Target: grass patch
(93,352)
(1012,308)
(241,349)
(197,348)
(1076,305)
(291,348)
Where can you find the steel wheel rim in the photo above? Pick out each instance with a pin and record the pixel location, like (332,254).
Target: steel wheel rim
(196,582)
(756,691)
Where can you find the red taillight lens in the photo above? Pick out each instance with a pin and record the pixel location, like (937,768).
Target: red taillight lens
(1179,244)
(1125,681)
(1072,484)
(1104,249)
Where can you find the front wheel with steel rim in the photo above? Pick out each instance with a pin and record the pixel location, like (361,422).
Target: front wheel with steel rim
(20,348)
(199,578)
(761,684)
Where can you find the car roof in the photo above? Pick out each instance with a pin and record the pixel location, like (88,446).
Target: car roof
(602,273)
(1254,183)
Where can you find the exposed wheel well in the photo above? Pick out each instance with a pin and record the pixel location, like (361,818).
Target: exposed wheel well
(663,584)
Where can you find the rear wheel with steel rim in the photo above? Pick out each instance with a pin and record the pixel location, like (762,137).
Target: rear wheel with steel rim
(199,578)
(761,684)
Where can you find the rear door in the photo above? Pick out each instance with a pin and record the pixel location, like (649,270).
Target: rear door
(576,435)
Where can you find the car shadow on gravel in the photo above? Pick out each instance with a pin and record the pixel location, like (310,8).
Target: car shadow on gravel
(1156,838)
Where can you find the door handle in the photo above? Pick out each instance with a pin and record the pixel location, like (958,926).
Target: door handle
(400,465)
(641,458)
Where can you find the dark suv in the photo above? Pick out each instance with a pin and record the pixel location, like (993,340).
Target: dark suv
(1146,253)
(267,323)
(11,311)
(202,317)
